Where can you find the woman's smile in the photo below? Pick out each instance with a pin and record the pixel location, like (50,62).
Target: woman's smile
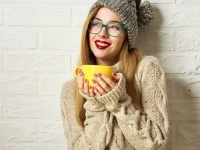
(102,44)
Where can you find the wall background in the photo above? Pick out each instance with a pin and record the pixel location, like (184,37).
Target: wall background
(39,46)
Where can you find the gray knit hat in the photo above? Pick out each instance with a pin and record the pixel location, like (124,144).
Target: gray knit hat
(134,16)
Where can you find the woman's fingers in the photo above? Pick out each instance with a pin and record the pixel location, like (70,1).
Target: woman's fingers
(91,91)
(80,79)
(97,93)
(86,87)
(82,83)
(105,82)
(98,86)
(102,83)
(116,76)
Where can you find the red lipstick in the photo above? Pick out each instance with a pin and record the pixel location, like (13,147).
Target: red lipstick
(102,44)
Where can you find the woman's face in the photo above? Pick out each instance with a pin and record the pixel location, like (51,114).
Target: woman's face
(106,48)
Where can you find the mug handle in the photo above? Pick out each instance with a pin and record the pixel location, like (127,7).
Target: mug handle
(76,71)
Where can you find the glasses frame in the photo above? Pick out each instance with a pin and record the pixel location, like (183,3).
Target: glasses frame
(122,27)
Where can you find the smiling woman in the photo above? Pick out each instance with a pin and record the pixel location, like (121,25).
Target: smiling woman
(107,42)
(129,110)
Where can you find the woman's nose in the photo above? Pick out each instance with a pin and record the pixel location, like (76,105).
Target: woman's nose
(103,33)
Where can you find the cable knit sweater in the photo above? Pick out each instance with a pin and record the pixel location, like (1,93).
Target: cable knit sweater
(112,122)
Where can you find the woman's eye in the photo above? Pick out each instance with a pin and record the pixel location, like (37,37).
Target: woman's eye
(95,23)
(116,27)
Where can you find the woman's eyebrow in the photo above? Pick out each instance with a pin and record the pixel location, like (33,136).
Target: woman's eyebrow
(115,21)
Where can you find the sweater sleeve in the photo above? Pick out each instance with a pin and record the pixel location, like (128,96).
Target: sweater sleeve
(96,133)
(147,131)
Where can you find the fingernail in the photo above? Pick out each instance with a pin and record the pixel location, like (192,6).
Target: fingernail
(99,74)
(80,72)
(94,81)
(95,75)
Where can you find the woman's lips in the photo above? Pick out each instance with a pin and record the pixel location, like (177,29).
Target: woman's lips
(102,44)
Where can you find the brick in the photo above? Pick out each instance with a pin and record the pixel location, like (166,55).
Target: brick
(17,39)
(197,69)
(18,132)
(172,134)
(17,1)
(172,15)
(52,147)
(188,41)
(1,62)
(184,110)
(189,133)
(2,147)
(156,41)
(26,62)
(38,15)
(161,1)
(74,60)
(189,1)
(1,109)
(63,40)
(182,147)
(51,132)
(172,87)
(34,147)
(32,108)
(66,1)
(190,87)
(38,62)
(177,91)
(1,18)
(53,62)
(165,16)
(51,85)
(76,11)
(17,84)
(187,16)
(182,66)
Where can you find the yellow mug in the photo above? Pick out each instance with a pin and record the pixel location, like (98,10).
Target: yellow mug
(90,70)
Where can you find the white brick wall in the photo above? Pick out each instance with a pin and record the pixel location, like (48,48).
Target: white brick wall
(39,46)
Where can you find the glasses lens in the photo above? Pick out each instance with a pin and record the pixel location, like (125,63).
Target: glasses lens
(114,29)
(94,27)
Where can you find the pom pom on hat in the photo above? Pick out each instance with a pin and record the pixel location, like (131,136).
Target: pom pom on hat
(145,15)
(134,16)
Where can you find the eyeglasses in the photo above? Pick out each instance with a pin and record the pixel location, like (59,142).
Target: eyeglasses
(113,29)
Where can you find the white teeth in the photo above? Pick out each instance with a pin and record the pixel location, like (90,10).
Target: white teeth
(101,44)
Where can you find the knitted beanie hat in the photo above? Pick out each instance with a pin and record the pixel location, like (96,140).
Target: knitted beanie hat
(134,15)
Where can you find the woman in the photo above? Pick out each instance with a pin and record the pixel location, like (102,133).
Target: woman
(129,112)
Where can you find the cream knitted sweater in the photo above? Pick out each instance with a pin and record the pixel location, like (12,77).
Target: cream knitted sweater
(113,123)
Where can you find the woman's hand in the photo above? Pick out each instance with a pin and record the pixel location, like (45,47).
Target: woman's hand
(83,84)
(103,84)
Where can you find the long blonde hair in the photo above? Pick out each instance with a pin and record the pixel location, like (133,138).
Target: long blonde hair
(127,58)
